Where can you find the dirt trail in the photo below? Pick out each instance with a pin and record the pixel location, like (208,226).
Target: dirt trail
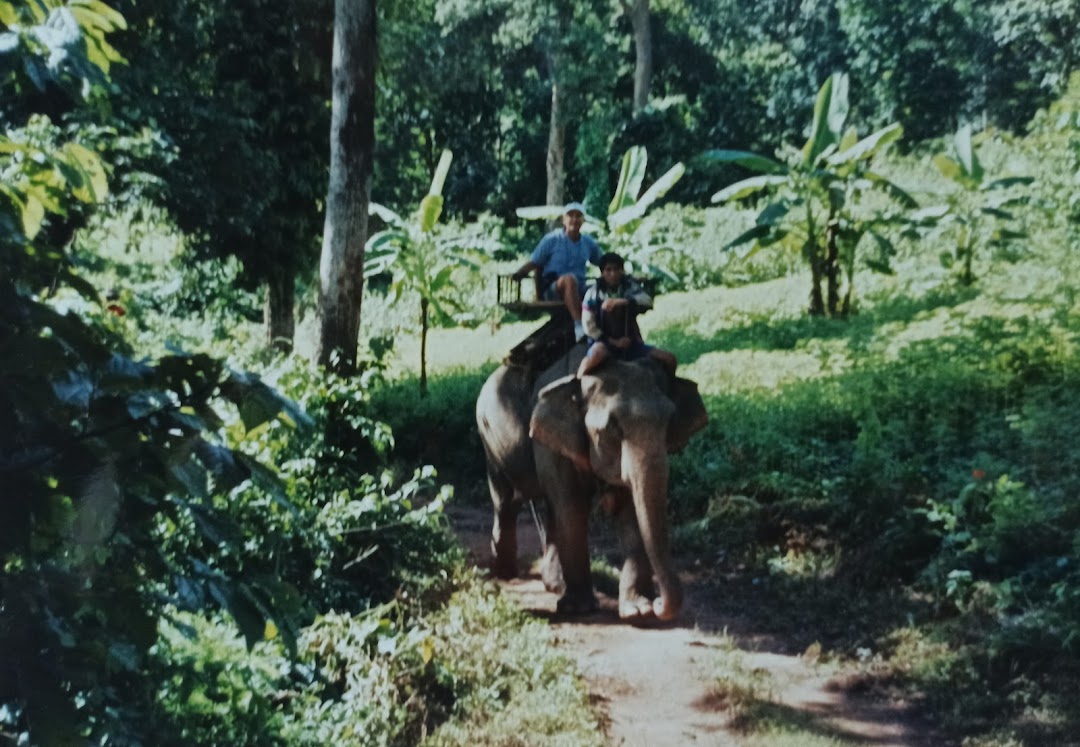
(661,687)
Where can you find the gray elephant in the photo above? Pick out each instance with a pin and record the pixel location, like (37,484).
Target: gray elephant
(562,441)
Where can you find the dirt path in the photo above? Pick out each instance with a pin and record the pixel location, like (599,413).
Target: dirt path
(693,683)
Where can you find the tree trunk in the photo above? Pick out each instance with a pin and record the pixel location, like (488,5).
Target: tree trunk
(967,274)
(423,346)
(832,267)
(352,143)
(278,317)
(643,63)
(817,300)
(556,152)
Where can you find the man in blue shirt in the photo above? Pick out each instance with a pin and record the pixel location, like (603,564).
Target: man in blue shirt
(561,257)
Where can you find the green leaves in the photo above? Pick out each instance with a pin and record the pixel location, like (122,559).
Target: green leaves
(42,178)
(631,177)
(830,114)
(419,261)
(747,187)
(431,206)
(976,202)
(825,178)
(866,147)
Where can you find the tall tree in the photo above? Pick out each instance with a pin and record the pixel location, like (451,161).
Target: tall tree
(352,145)
(640,21)
(571,50)
(239,90)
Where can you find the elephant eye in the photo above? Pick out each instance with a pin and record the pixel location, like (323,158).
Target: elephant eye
(610,429)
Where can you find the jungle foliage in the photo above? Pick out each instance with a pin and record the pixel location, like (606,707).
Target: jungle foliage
(208,542)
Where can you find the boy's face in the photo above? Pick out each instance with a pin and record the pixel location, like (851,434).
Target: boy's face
(612,273)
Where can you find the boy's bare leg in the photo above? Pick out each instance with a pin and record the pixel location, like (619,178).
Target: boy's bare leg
(598,353)
(666,357)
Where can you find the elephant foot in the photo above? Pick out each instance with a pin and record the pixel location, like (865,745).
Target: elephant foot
(551,571)
(577,604)
(665,611)
(636,609)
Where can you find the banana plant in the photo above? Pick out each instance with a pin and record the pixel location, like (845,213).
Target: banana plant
(815,198)
(625,228)
(975,210)
(629,231)
(417,259)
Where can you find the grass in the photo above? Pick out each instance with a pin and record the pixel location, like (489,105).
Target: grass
(522,692)
(828,437)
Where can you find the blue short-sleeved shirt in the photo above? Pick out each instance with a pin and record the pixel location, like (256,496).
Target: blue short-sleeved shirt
(558,255)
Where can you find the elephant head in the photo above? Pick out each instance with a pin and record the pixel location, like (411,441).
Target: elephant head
(620,425)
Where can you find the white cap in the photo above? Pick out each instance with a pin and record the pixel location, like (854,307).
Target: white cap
(572,206)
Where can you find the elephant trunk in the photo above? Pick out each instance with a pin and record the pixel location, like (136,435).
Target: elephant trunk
(646,472)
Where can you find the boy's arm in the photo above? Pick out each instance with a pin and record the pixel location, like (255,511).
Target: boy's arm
(590,315)
(642,301)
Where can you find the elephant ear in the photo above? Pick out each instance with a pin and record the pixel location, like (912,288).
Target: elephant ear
(557,421)
(690,416)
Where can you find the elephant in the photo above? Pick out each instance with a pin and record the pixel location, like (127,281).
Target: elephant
(561,441)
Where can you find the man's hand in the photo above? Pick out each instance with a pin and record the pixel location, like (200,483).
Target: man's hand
(612,303)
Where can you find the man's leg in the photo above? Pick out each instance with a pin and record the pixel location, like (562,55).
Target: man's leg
(567,288)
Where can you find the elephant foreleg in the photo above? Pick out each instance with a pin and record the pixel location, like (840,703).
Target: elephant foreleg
(636,588)
(504,545)
(569,492)
(550,567)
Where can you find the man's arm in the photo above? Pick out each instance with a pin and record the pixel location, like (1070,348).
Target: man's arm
(537,260)
(523,271)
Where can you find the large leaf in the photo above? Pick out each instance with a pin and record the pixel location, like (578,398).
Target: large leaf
(830,112)
(774,213)
(891,189)
(868,146)
(430,210)
(747,187)
(965,153)
(754,234)
(838,106)
(746,159)
(95,184)
(540,212)
(439,178)
(1005,200)
(631,177)
(1009,181)
(659,188)
(950,168)
(98,14)
(387,215)
(662,185)
(33,214)
(886,250)
(930,214)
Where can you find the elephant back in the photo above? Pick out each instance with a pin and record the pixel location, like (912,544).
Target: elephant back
(565,365)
